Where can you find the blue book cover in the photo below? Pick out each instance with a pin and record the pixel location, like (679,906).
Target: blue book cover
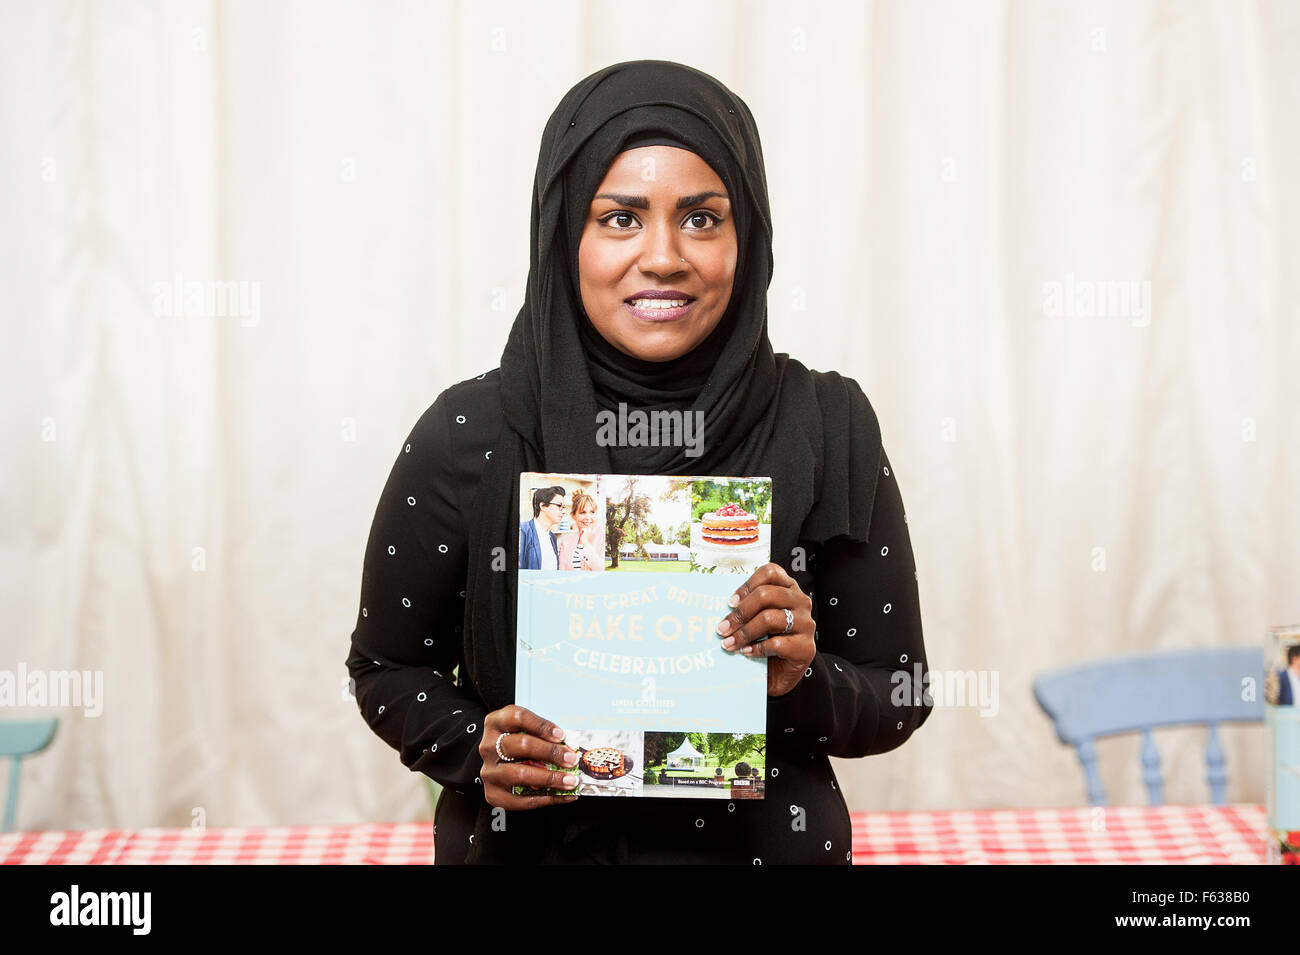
(622,582)
(1282,715)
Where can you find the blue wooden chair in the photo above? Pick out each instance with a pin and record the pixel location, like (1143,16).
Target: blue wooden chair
(19,738)
(1145,691)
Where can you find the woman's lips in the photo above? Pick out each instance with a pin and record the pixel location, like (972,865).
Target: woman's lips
(659,314)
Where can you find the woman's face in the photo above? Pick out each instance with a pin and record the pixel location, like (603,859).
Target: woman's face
(587,516)
(660,222)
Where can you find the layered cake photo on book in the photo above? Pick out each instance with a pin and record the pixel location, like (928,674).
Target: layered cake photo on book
(730,526)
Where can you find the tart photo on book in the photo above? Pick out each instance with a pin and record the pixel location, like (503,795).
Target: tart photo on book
(609,761)
(609,764)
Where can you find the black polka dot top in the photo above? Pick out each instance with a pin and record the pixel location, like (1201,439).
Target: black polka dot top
(862,695)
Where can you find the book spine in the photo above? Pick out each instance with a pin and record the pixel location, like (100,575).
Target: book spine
(523,627)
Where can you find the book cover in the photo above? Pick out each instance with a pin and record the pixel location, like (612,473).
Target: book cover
(622,582)
(1282,714)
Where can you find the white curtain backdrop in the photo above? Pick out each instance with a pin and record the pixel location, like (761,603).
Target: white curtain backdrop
(189,485)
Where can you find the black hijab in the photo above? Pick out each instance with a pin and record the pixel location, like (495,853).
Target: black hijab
(814,434)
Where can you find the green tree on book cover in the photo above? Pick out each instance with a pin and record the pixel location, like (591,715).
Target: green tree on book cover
(624,513)
(726,748)
(625,522)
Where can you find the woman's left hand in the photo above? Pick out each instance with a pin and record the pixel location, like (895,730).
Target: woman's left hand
(760,605)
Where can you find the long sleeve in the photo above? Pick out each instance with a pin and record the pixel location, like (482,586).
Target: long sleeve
(407,637)
(865,691)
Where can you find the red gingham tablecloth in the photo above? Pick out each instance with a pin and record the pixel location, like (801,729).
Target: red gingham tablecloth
(1088,835)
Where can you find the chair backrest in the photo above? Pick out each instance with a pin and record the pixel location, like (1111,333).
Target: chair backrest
(1141,692)
(19,738)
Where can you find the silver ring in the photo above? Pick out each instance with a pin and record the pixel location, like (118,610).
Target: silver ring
(789,622)
(502,757)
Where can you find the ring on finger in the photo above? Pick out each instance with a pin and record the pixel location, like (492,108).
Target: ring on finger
(789,622)
(501,756)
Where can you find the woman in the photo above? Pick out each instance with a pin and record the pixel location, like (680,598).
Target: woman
(581,548)
(650,182)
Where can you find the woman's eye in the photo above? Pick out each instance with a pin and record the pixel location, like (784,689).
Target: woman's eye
(699,221)
(708,220)
(619,220)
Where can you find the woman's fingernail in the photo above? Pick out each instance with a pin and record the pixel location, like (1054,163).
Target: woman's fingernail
(570,759)
(728,643)
(733,600)
(724,626)
(570,782)
(557,733)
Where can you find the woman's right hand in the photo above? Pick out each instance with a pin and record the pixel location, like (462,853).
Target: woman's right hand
(527,737)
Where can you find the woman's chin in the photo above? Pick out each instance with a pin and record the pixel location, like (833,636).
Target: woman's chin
(658,347)
(658,341)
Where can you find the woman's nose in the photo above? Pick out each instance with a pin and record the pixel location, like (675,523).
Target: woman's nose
(661,254)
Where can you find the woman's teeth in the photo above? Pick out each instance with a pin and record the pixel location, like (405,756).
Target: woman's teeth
(657,303)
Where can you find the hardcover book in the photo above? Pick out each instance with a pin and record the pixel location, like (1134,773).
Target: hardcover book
(1282,714)
(622,582)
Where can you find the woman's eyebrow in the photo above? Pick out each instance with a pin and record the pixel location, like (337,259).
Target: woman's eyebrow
(640,202)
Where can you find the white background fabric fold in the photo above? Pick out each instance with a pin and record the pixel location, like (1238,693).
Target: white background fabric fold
(189,489)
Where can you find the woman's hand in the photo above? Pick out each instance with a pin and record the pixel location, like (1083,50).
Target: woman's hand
(587,537)
(527,737)
(760,604)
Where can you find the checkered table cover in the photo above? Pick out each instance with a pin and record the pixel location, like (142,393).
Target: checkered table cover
(1090,835)
(1087,835)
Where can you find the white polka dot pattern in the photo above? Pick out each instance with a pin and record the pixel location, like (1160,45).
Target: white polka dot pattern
(414,577)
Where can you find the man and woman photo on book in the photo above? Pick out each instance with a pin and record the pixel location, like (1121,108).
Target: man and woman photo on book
(1286,691)
(546,544)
